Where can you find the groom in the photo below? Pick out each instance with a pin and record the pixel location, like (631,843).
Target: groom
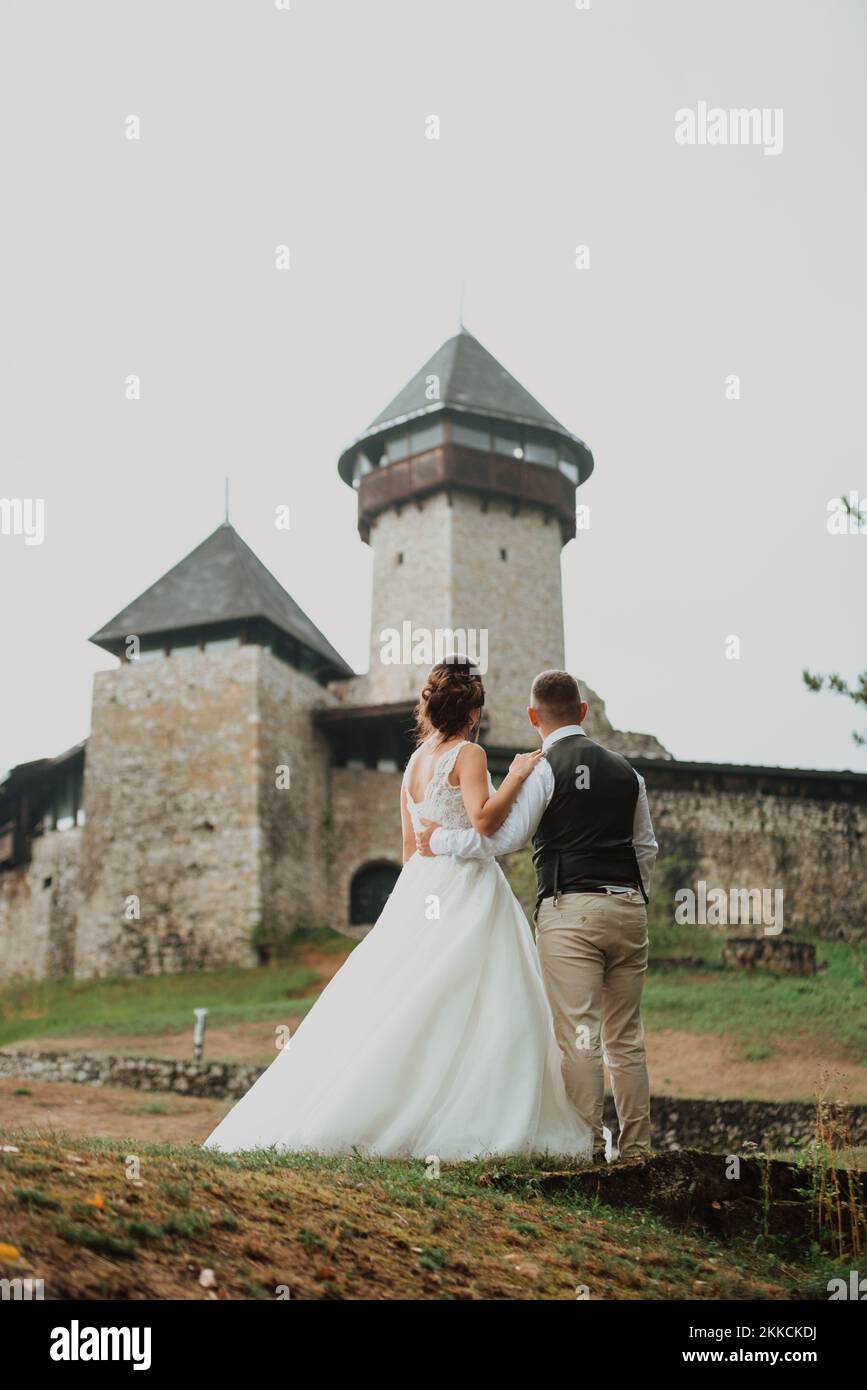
(594,849)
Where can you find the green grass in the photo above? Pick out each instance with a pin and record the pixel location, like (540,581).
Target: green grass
(826,1013)
(164,1004)
(355,1227)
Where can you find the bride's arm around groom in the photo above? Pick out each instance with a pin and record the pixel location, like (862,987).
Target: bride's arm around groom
(534,798)
(522,823)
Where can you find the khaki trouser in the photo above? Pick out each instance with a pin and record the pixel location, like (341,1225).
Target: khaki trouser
(593,952)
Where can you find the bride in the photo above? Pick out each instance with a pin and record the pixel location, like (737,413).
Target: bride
(435,1037)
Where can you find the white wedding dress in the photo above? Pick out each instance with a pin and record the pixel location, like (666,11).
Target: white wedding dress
(434,1038)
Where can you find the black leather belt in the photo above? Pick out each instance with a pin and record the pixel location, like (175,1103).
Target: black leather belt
(625,889)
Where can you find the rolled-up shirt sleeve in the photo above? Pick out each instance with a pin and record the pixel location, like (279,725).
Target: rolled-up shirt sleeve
(519,826)
(643,838)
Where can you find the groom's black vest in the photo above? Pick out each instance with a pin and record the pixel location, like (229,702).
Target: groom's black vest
(584,839)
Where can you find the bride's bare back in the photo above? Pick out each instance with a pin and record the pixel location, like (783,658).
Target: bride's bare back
(465,775)
(424,761)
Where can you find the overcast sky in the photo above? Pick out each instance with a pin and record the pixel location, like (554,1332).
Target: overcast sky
(306,127)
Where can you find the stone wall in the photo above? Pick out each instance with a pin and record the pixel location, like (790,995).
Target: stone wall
(720,1126)
(411,583)
(726,1126)
(171,794)
(39,908)
(295,860)
(733,827)
(804,832)
(218,1080)
(506,579)
(457,563)
(364,829)
(778,955)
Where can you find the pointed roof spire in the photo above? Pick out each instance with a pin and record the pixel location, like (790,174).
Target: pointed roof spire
(221,581)
(464,377)
(472,379)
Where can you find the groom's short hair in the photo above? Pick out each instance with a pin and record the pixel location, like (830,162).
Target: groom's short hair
(558,694)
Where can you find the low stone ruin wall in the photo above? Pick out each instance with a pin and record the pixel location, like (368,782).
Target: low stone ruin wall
(720,1126)
(214,1080)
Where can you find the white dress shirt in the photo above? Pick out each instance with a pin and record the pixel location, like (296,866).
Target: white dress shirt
(523,819)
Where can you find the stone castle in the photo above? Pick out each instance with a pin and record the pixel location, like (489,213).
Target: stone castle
(240,781)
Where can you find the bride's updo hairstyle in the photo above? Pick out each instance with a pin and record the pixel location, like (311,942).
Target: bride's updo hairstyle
(451,693)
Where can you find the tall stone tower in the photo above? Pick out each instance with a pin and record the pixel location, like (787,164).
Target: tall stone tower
(466,494)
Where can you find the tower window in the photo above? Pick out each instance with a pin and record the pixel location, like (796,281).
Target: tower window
(504,554)
(396,448)
(426,438)
(507,442)
(537,452)
(399,558)
(222,644)
(472,436)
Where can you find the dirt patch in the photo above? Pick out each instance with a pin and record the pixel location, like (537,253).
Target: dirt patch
(713,1066)
(108,1112)
(325,963)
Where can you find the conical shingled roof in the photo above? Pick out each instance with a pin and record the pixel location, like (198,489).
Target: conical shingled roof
(471,380)
(221,581)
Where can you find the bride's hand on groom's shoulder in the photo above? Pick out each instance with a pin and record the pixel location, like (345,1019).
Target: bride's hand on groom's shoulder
(523,763)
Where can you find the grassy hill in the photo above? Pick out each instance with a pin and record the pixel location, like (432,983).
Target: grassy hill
(99,1220)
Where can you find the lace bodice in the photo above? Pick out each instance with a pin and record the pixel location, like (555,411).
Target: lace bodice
(442,802)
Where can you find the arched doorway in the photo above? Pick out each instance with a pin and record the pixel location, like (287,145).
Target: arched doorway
(369,892)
